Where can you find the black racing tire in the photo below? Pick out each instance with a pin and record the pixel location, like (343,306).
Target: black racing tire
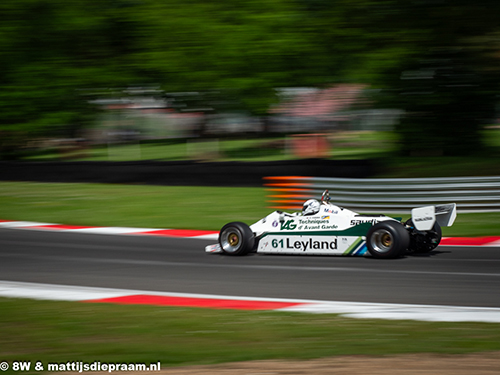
(422,242)
(387,240)
(236,238)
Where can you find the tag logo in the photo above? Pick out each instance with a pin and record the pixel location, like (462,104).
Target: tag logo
(288,225)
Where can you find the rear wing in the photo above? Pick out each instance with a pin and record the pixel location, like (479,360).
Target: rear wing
(424,217)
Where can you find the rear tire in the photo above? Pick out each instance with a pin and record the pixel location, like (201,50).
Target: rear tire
(236,238)
(387,240)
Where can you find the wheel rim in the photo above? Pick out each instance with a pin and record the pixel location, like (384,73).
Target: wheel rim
(382,241)
(231,240)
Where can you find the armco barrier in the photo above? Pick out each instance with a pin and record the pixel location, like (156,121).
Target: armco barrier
(395,195)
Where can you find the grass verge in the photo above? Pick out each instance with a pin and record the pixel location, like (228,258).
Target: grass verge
(183,207)
(50,331)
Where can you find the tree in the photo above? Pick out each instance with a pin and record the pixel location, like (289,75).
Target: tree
(238,53)
(244,49)
(49,52)
(433,59)
(446,84)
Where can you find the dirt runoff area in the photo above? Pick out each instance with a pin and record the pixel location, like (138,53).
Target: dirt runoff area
(411,364)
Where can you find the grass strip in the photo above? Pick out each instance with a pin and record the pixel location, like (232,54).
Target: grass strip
(52,331)
(180,207)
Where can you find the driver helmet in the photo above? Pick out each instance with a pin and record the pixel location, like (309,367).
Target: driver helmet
(310,207)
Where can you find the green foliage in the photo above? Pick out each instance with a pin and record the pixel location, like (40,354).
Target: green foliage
(245,50)
(51,51)
(448,83)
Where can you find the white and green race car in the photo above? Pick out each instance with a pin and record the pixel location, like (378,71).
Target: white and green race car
(323,228)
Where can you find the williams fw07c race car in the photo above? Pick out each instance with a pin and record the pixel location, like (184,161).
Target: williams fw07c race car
(323,228)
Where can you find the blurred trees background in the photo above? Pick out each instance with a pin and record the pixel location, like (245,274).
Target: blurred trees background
(437,60)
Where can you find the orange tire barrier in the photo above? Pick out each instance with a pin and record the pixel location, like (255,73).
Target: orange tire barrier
(287,192)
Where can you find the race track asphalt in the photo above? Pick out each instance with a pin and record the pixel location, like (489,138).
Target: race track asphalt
(462,276)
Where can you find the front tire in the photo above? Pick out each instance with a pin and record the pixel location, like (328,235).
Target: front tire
(236,238)
(387,240)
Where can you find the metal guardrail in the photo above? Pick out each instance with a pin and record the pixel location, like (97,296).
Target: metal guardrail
(395,195)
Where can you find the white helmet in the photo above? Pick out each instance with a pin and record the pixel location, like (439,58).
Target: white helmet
(310,207)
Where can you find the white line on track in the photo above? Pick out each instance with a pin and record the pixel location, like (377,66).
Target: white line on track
(161,263)
(111,230)
(349,309)
(21,224)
